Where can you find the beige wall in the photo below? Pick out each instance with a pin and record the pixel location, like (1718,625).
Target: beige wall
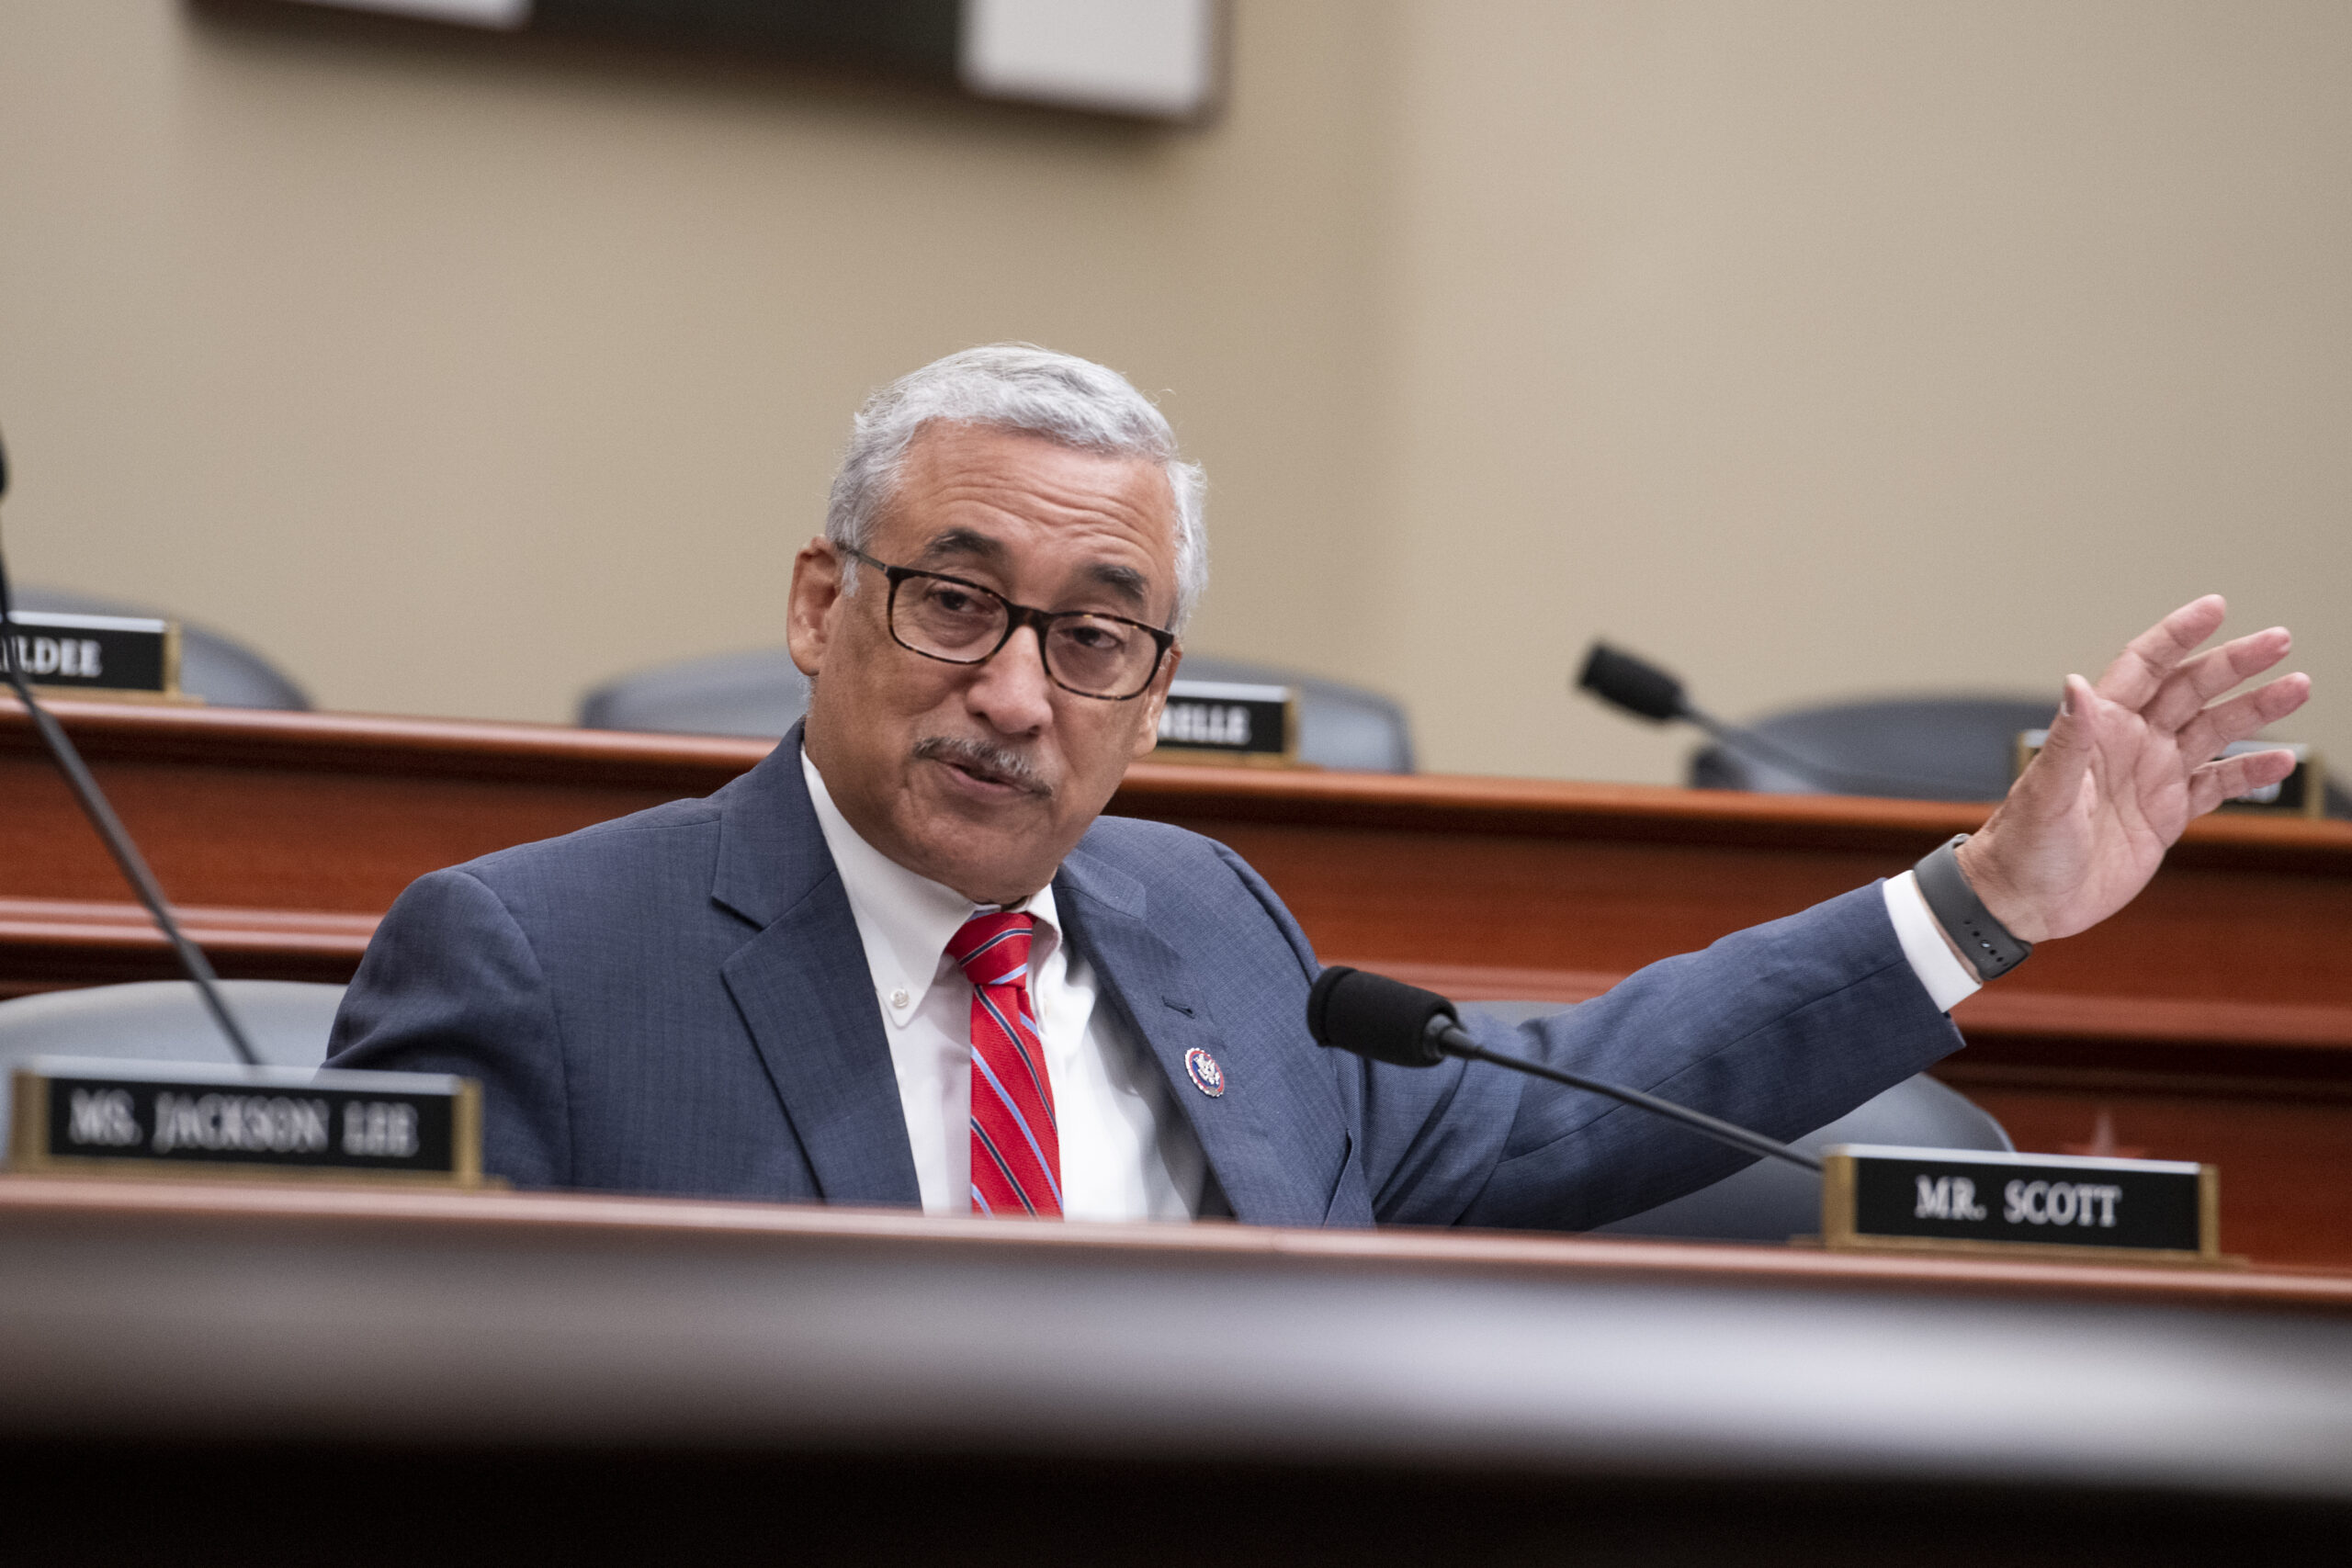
(1841,346)
(1817,347)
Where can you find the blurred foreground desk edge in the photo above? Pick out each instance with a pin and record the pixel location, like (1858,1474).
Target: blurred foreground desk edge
(2211,1021)
(268,1374)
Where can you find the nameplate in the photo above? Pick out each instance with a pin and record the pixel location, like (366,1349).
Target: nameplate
(2302,793)
(83,655)
(1221,721)
(90,1116)
(2048,1205)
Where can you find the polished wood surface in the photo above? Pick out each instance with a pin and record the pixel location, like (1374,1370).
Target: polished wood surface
(244,810)
(2211,1019)
(316,1364)
(624,1224)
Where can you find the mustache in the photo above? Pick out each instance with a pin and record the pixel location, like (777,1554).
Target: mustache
(998,763)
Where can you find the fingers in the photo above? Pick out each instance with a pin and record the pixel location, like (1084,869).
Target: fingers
(2057,772)
(2233,776)
(2211,673)
(2235,720)
(2147,659)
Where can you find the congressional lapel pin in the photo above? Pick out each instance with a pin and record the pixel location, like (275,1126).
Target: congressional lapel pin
(1206,1075)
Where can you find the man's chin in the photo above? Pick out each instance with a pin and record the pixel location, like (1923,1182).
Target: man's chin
(986,867)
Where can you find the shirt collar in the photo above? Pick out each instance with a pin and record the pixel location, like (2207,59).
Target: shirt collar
(904,918)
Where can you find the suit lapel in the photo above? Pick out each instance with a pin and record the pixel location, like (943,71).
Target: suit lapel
(1167,1003)
(803,987)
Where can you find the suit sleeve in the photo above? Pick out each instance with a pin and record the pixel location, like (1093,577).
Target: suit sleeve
(450,985)
(1782,1028)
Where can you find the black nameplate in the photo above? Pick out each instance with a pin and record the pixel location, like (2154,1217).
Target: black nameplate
(1967,1201)
(175,1118)
(97,653)
(1226,721)
(2302,793)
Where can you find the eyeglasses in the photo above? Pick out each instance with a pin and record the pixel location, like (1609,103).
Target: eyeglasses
(956,622)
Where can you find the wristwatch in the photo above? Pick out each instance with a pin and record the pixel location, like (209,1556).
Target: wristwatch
(1987,943)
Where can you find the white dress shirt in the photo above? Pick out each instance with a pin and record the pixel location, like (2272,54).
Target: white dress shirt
(1948,981)
(1126,1152)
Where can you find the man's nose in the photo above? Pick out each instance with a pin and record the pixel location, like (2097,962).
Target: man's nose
(1013,692)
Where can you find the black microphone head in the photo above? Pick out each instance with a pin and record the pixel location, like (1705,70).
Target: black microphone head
(1374,1016)
(1633,683)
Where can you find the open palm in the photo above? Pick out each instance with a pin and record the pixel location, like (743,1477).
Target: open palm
(2128,765)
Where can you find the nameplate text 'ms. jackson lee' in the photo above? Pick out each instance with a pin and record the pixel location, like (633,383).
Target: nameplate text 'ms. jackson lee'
(88,1116)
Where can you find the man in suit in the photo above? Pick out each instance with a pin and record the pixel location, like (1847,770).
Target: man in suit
(906,961)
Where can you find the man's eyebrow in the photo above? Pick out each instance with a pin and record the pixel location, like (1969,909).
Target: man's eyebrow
(1123,581)
(954,542)
(970,544)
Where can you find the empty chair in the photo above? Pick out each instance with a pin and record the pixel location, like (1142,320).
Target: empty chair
(287,1021)
(1773,1199)
(760,693)
(1913,747)
(219,669)
(1917,747)
(755,693)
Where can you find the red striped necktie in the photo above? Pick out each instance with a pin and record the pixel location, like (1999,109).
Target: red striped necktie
(1016,1152)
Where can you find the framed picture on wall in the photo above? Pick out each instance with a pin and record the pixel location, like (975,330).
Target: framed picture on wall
(1151,59)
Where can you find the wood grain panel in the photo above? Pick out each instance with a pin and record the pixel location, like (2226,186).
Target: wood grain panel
(46,943)
(2283,1161)
(321,811)
(317,840)
(385,1215)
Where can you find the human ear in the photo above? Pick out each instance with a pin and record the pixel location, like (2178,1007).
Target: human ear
(817,593)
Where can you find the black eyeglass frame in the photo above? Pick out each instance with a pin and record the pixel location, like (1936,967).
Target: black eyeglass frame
(1016,616)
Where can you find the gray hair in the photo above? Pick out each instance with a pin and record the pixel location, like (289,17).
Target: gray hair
(1019,387)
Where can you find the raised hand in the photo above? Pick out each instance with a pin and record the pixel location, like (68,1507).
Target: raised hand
(2128,765)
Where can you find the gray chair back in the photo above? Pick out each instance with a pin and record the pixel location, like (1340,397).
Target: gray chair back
(760,693)
(1771,1200)
(223,671)
(1955,748)
(165,1021)
(1936,748)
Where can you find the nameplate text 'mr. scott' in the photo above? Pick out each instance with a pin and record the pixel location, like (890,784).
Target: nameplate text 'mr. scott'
(1973,1201)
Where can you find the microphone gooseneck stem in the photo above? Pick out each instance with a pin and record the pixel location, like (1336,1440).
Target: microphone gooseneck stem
(1632,683)
(1453,1040)
(1772,754)
(118,841)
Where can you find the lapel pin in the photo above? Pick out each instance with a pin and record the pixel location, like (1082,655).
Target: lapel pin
(1206,1075)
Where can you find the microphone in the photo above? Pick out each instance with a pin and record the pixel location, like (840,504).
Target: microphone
(1633,683)
(1388,1020)
(1629,681)
(109,827)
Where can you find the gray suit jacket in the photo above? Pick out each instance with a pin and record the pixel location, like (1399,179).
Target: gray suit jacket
(678,1002)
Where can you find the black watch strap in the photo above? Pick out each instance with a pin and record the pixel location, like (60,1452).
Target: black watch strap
(1985,941)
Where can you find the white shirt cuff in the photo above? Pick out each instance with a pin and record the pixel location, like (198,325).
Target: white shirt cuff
(1948,980)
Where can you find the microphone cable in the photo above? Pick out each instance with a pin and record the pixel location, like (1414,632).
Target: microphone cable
(118,841)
